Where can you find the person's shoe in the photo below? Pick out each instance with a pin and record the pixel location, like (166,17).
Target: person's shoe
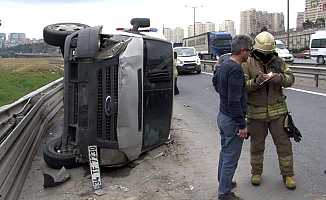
(289,182)
(233,185)
(230,196)
(256,179)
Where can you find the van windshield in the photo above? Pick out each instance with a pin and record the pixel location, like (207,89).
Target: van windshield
(183,52)
(280,46)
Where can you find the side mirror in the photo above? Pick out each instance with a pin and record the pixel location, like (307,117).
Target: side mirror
(175,55)
(139,23)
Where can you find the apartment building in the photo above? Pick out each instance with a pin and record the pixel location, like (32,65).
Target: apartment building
(228,26)
(252,21)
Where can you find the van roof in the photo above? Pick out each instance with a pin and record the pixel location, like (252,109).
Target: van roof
(318,34)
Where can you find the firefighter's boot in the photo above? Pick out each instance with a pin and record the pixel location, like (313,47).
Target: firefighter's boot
(289,182)
(256,179)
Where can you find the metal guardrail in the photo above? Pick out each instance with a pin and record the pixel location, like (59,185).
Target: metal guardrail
(22,126)
(208,65)
(315,71)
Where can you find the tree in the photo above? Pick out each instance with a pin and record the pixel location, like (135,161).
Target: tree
(320,23)
(308,24)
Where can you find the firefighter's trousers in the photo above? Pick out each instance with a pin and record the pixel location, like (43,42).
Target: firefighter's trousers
(258,130)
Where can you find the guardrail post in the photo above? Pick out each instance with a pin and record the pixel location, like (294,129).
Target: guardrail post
(204,67)
(317,79)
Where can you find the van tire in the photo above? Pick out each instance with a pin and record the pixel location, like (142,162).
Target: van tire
(55,34)
(55,159)
(320,60)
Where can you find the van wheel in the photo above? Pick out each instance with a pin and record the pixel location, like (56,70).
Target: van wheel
(55,34)
(56,156)
(320,60)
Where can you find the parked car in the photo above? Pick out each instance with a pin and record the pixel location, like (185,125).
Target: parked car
(303,55)
(283,52)
(118,93)
(187,60)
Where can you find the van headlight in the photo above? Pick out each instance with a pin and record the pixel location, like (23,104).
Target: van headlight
(179,62)
(198,61)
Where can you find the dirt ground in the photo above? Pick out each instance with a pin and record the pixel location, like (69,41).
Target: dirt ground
(178,170)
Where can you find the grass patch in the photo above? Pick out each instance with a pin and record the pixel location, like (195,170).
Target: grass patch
(21,76)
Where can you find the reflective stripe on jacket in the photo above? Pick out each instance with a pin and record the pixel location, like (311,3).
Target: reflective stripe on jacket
(266,101)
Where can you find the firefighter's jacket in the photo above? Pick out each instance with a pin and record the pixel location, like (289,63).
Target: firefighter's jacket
(267,101)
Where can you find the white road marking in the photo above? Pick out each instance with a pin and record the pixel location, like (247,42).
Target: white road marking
(207,73)
(307,91)
(294,89)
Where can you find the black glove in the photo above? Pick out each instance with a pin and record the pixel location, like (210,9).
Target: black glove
(291,129)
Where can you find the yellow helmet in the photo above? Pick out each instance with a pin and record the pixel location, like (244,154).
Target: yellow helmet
(265,42)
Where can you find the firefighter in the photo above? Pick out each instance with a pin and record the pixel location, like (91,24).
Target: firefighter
(266,74)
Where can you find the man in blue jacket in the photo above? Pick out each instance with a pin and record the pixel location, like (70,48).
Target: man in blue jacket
(230,83)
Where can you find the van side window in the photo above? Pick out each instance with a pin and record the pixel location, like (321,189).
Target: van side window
(318,43)
(158,56)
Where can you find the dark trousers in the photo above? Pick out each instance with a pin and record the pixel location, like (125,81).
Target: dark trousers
(258,131)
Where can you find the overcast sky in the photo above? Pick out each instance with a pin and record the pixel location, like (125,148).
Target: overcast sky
(30,16)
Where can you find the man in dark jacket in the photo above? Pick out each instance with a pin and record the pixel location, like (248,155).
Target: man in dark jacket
(230,83)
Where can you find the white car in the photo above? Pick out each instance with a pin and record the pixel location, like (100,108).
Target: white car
(187,60)
(283,52)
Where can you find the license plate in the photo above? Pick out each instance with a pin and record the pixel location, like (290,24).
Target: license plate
(94,167)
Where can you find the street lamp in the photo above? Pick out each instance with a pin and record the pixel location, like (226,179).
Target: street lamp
(288,32)
(194,7)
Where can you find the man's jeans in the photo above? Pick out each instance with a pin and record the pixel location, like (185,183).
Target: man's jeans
(231,145)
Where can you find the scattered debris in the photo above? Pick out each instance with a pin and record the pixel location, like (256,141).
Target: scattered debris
(169,141)
(99,192)
(187,106)
(191,187)
(52,181)
(159,155)
(123,188)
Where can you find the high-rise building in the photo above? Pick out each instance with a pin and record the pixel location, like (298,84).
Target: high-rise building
(200,28)
(300,20)
(174,35)
(315,9)
(210,26)
(252,21)
(2,39)
(168,34)
(277,22)
(228,26)
(248,24)
(17,38)
(178,34)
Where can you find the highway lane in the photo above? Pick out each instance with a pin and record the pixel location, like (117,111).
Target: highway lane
(197,93)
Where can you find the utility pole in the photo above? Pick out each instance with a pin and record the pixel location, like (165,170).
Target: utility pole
(194,8)
(288,18)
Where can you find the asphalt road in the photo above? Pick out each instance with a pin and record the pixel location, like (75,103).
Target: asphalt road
(309,112)
(186,168)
